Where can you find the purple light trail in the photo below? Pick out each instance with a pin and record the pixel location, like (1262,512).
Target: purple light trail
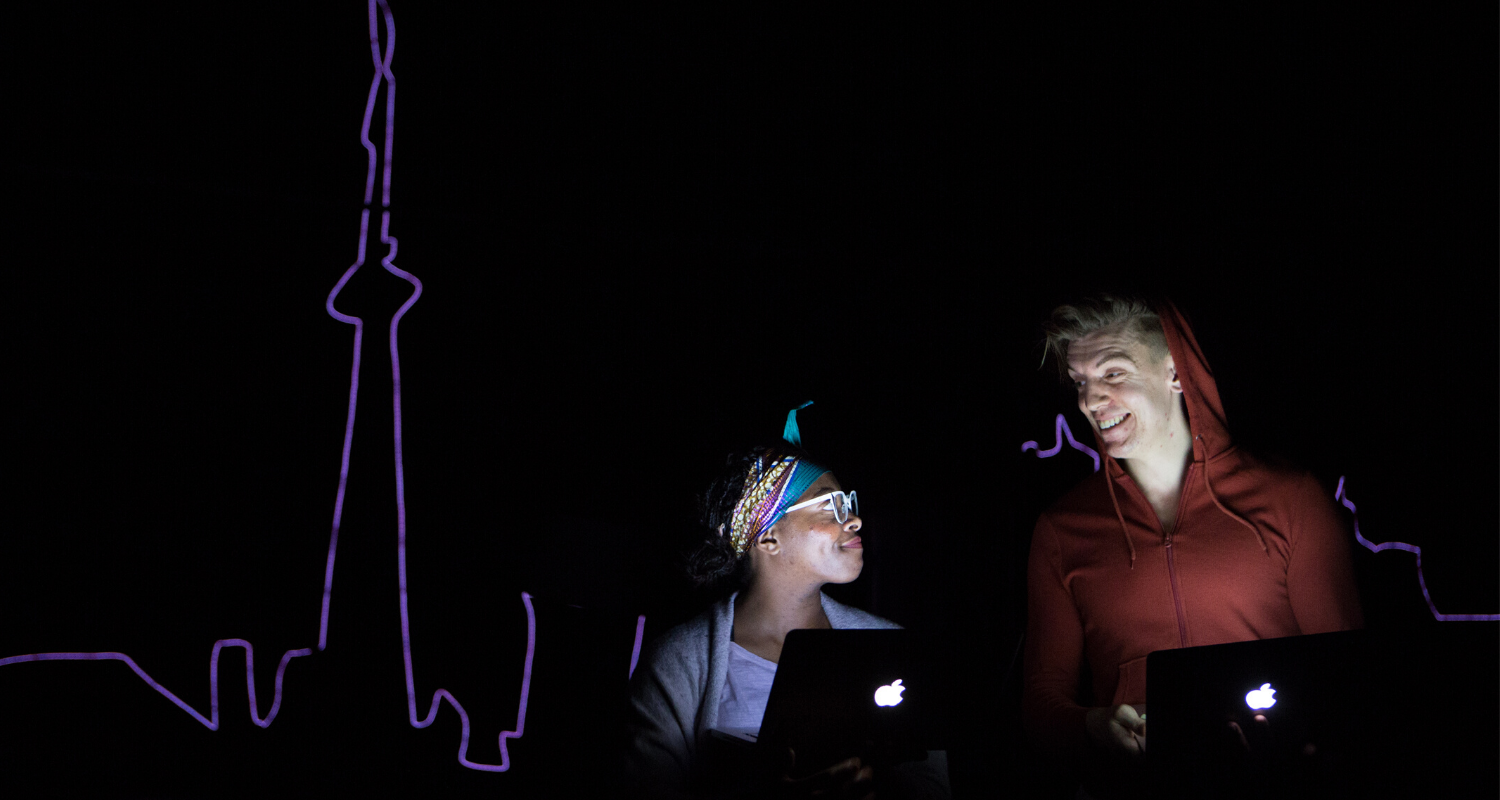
(212,720)
(383,76)
(1340,496)
(382,61)
(1062,430)
(635,652)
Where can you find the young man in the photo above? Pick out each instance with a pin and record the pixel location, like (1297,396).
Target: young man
(1180,539)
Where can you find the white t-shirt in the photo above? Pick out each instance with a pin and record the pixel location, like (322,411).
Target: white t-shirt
(747,686)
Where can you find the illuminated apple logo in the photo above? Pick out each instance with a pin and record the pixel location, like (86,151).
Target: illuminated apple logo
(1264,697)
(889,695)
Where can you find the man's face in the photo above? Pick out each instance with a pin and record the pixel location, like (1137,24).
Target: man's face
(1130,399)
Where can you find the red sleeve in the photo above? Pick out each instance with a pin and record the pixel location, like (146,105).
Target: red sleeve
(1320,572)
(1054,651)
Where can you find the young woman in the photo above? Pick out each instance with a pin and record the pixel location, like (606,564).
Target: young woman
(777,526)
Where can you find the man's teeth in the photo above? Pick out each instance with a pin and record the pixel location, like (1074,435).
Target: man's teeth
(1110,423)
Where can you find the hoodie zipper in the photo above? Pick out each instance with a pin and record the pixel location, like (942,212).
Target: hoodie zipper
(1182,636)
(1176,595)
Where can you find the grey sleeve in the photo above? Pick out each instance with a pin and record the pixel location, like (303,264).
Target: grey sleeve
(659,726)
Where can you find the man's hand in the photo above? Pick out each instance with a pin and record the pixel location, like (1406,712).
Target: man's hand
(850,779)
(1118,729)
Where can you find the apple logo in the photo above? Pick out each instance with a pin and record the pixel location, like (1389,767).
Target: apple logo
(889,695)
(1262,697)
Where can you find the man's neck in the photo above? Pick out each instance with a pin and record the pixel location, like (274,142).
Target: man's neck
(1159,470)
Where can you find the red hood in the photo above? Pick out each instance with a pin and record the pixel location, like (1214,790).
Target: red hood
(1205,415)
(1199,390)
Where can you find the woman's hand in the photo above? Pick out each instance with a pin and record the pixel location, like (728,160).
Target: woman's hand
(1118,729)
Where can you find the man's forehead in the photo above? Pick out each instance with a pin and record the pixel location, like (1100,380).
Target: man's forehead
(1086,351)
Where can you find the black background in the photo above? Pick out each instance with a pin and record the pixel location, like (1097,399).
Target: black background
(643,236)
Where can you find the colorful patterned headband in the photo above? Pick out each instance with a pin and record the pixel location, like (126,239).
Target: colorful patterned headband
(772,486)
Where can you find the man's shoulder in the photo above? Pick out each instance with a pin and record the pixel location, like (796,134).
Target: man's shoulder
(1271,476)
(1088,497)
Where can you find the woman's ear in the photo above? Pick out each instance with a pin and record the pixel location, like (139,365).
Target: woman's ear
(767,542)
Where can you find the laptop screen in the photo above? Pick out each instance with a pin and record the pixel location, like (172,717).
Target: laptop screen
(840,692)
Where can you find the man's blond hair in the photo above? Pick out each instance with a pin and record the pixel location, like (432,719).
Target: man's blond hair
(1074,321)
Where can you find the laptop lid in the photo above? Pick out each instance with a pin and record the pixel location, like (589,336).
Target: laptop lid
(839,693)
(1332,712)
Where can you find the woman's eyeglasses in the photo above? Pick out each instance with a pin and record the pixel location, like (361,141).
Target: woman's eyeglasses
(843,502)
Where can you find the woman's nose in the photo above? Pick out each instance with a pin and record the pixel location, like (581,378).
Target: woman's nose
(853,523)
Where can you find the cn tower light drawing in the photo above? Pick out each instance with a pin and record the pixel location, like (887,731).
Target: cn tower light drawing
(381,51)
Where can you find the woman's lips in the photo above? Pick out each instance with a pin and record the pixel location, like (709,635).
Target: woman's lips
(853,544)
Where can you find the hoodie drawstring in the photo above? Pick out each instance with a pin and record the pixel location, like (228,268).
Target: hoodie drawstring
(1253,529)
(1110,482)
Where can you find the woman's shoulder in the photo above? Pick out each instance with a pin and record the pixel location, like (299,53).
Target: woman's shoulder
(846,616)
(688,641)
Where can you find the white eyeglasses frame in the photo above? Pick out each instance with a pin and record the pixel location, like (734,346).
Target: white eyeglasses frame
(840,509)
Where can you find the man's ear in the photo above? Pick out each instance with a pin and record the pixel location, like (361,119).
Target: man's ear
(1174,383)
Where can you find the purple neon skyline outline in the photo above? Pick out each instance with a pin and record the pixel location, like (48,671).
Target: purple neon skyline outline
(212,722)
(1061,430)
(1343,497)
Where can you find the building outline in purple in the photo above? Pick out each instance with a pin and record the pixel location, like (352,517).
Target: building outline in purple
(378,11)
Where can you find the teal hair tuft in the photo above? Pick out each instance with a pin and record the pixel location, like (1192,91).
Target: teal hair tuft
(792,434)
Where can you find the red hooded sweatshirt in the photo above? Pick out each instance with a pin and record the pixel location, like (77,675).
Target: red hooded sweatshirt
(1258,552)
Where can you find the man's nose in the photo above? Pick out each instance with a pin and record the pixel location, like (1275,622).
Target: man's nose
(853,523)
(1095,395)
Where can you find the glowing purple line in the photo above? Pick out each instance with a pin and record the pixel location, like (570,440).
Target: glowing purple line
(364,129)
(1061,431)
(411,692)
(390,94)
(212,720)
(635,651)
(338,503)
(1410,548)
(384,65)
(443,694)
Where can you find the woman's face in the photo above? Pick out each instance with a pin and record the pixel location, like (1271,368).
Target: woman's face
(810,543)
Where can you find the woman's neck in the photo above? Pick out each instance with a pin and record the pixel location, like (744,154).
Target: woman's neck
(763,614)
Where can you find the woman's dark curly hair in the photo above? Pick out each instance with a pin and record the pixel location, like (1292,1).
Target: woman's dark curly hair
(712,563)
